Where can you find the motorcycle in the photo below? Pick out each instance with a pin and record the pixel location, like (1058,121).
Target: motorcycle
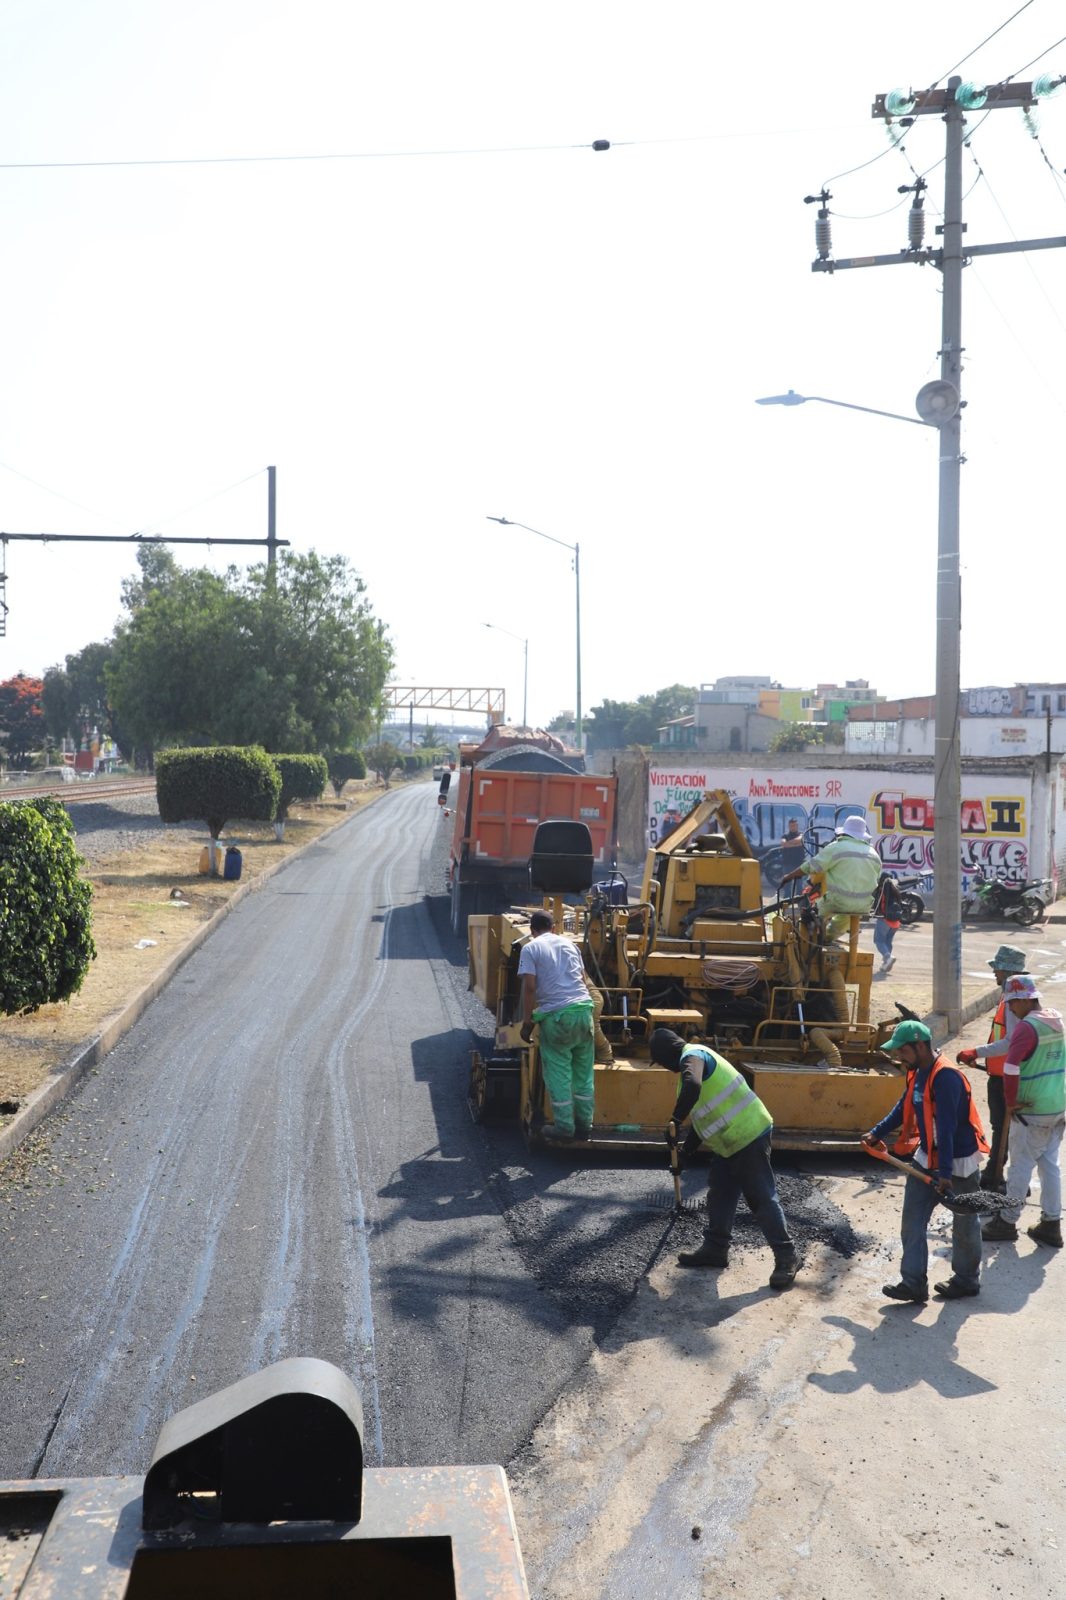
(1025,903)
(911,903)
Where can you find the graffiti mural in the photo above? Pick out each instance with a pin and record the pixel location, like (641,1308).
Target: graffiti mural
(898,809)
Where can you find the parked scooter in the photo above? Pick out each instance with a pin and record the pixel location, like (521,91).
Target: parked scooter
(1019,902)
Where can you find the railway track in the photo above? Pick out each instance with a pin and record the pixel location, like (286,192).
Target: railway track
(96,789)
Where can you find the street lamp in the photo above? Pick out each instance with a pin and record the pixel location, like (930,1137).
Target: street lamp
(525,666)
(938,405)
(506,522)
(794,399)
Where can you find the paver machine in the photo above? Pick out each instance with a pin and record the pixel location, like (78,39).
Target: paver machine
(697,951)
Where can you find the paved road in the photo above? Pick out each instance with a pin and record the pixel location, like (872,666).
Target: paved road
(276,1161)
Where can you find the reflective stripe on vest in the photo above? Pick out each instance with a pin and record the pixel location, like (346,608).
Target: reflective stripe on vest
(998,1029)
(1042,1085)
(728,1115)
(909,1140)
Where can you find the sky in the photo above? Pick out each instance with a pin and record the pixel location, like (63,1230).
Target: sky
(470,313)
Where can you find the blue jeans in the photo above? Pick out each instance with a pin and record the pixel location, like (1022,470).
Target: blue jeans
(883,937)
(919,1203)
(750,1174)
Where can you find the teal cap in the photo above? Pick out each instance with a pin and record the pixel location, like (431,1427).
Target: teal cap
(908,1032)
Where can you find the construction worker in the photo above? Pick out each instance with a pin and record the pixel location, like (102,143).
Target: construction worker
(1007,962)
(1034,1087)
(941,1128)
(849,867)
(555,994)
(728,1119)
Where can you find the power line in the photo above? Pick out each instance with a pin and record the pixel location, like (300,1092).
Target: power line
(65,497)
(1040,57)
(981,46)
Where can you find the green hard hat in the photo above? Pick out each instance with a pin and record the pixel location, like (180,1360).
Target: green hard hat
(908,1032)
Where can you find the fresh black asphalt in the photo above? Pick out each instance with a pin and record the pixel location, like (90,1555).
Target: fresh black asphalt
(278,1160)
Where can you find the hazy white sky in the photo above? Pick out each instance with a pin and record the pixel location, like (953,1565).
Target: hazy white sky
(570,339)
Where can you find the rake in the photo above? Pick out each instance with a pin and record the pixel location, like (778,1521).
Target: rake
(670,1200)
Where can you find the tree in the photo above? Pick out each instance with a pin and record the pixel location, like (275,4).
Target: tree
(175,662)
(46,941)
(22,716)
(290,657)
(794,736)
(314,661)
(344,765)
(75,697)
(302,778)
(615,724)
(383,760)
(215,785)
(430,739)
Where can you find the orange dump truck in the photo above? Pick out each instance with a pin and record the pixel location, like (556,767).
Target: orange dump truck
(505,789)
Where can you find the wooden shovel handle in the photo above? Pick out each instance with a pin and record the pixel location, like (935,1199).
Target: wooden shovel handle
(901,1166)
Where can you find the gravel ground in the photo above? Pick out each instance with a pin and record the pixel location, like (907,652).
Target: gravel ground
(128,822)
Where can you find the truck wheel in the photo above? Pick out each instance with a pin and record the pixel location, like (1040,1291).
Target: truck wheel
(460,907)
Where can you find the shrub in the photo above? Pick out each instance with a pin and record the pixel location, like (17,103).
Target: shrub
(383,760)
(343,765)
(302,778)
(217,784)
(46,941)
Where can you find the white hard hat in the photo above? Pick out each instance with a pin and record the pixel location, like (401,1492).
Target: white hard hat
(855,828)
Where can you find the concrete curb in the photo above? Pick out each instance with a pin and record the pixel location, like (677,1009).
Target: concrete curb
(65,1079)
(936,1022)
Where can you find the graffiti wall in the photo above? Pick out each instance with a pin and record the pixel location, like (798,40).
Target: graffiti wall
(898,809)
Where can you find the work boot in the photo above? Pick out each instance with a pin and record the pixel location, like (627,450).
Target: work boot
(555,1135)
(582,1135)
(708,1255)
(786,1265)
(952,1289)
(906,1291)
(998,1229)
(1047,1231)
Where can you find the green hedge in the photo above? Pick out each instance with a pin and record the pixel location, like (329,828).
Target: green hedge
(217,785)
(302,778)
(343,765)
(46,941)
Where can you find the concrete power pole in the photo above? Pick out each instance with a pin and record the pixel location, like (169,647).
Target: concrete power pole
(939,404)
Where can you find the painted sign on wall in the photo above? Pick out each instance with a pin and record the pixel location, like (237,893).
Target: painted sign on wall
(898,809)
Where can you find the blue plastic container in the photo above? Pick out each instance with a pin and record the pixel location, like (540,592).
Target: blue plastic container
(233,863)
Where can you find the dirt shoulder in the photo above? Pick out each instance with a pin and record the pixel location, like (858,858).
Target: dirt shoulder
(148,906)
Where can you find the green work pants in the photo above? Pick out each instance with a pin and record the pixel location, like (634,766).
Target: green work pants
(567,1052)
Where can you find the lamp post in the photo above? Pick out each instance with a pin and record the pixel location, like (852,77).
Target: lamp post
(495,626)
(506,522)
(938,404)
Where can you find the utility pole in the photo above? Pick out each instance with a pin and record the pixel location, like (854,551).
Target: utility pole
(272,521)
(940,404)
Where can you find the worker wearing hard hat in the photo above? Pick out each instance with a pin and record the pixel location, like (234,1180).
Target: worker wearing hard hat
(941,1128)
(728,1119)
(850,868)
(1034,1087)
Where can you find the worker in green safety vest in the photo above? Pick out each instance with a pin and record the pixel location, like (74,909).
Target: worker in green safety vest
(1034,1088)
(727,1118)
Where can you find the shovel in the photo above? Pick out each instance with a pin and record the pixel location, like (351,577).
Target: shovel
(977,1202)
